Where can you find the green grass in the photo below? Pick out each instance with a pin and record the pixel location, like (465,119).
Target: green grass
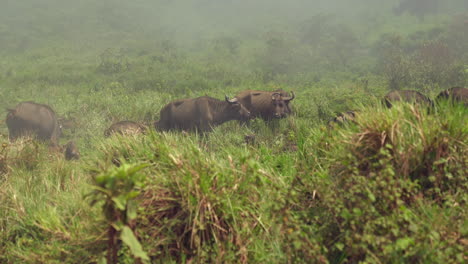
(215,198)
(388,188)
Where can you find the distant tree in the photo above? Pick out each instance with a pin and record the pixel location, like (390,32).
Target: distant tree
(392,61)
(418,8)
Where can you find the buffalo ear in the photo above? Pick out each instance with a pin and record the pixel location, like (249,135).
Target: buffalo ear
(274,96)
(231,101)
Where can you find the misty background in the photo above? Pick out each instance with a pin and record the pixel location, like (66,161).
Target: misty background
(409,43)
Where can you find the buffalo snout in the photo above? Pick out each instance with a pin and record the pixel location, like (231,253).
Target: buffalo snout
(244,112)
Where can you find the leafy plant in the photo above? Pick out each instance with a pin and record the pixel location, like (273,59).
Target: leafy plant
(118,189)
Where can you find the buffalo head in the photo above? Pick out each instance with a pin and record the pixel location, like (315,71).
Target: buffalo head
(280,108)
(71,151)
(236,109)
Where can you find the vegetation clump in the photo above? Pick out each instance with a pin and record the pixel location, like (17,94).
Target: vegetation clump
(340,179)
(398,168)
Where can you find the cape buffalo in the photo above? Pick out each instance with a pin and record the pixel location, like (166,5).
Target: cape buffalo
(200,114)
(456,94)
(408,96)
(71,151)
(33,119)
(125,128)
(285,94)
(343,118)
(266,105)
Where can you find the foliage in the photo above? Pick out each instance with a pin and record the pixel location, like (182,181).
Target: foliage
(112,62)
(395,167)
(389,187)
(118,189)
(393,62)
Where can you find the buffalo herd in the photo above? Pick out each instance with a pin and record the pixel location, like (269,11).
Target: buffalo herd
(454,95)
(197,114)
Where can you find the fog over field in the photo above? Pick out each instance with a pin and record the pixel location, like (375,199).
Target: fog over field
(233,131)
(28,23)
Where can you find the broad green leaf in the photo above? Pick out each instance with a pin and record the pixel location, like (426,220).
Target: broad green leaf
(339,246)
(403,243)
(131,241)
(120,202)
(132,194)
(136,168)
(102,260)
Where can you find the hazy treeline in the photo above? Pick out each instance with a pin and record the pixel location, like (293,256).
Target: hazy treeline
(412,43)
(187,20)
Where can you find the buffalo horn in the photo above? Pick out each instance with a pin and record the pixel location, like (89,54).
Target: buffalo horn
(232,101)
(289,98)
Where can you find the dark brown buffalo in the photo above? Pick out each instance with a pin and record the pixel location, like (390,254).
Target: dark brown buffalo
(455,94)
(125,128)
(250,139)
(266,105)
(407,96)
(285,94)
(71,151)
(343,118)
(200,114)
(33,119)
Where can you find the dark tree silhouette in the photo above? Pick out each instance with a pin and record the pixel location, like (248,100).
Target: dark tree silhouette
(418,8)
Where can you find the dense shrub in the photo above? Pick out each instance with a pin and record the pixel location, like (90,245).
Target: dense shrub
(396,165)
(196,206)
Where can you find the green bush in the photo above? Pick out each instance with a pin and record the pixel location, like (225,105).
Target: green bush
(396,166)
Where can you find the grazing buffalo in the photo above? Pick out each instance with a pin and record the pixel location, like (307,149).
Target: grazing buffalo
(250,139)
(343,118)
(266,105)
(33,119)
(455,94)
(71,151)
(285,94)
(200,114)
(408,96)
(125,128)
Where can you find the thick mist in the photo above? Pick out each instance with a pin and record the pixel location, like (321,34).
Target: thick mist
(410,43)
(27,21)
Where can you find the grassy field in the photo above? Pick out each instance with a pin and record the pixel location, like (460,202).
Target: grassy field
(390,187)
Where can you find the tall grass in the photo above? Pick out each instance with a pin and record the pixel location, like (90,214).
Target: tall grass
(390,187)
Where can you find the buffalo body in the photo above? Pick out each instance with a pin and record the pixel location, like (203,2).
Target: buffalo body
(407,96)
(455,94)
(33,119)
(343,118)
(125,128)
(200,114)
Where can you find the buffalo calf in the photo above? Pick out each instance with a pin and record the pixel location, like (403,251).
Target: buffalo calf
(343,118)
(125,128)
(71,151)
